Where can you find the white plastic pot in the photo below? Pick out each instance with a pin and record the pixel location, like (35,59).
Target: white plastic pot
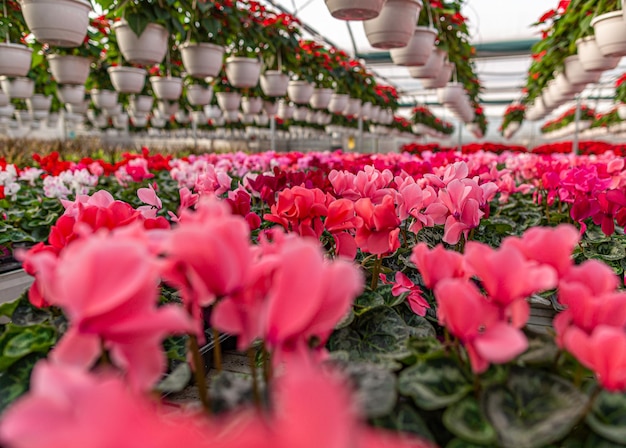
(243,72)
(148,49)
(14,59)
(68,69)
(39,102)
(321,98)
(285,110)
(104,99)
(228,101)
(338,102)
(168,88)
(18,88)
(141,103)
(354,9)
(432,68)
(168,108)
(60,23)
(395,24)
(251,105)
(610,32)
(621,111)
(300,92)
(69,94)
(418,50)
(353,107)
(198,95)
(202,60)
(274,83)
(441,80)
(4,99)
(127,79)
(592,58)
(270,108)
(576,74)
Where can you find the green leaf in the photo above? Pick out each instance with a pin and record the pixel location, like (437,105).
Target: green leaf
(378,335)
(405,418)
(14,381)
(458,443)
(17,342)
(419,326)
(434,383)
(374,387)
(533,408)
(7,309)
(367,301)
(25,314)
(177,380)
(465,420)
(608,416)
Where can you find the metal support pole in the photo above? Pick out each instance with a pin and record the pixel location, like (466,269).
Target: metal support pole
(576,125)
(273,133)
(460,147)
(360,139)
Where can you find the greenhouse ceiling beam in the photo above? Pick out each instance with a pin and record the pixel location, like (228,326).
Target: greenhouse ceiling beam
(513,48)
(306,27)
(495,102)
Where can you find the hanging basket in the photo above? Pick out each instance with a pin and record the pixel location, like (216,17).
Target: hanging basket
(338,102)
(18,88)
(71,94)
(243,73)
(251,105)
(104,99)
(321,98)
(198,95)
(441,80)
(168,108)
(4,99)
(14,59)
(168,88)
(592,58)
(141,103)
(285,110)
(300,114)
(148,49)
(270,108)
(202,60)
(353,108)
(300,92)
(354,9)
(127,79)
(68,69)
(228,101)
(274,83)
(576,74)
(432,68)
(610,32)
(395,25)
(39,102)
(418,50)
(59,23)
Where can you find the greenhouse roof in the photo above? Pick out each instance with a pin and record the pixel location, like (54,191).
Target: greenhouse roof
(501,31)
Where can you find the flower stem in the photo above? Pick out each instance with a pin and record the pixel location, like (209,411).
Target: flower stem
(267,366)
(217,351)
(199,373)
(375,272)
(255,379)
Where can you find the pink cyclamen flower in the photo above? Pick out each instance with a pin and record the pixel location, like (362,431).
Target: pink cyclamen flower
(403,284)
(508,277)
(208,254)
(107,285)
(547,245)
(75,409)
(477,323)
(604,352)
(380,229)
(437,264)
